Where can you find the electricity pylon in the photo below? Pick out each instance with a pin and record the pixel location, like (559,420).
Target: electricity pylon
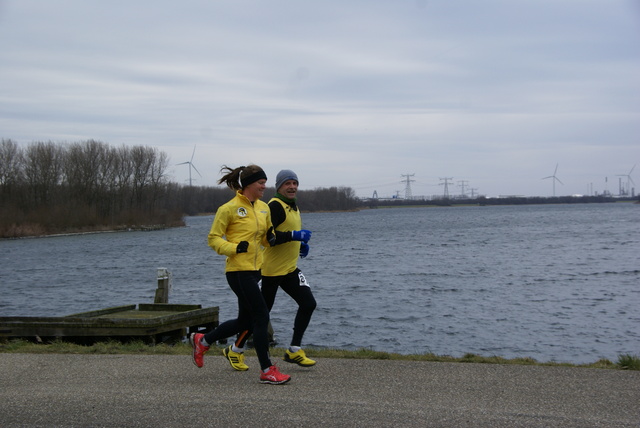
(407,189)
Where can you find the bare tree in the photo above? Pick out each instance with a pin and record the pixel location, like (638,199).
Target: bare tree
(82,167)
(142,159)
(10,164)
(47,187)
(124,168)
(43,171)
(158,176)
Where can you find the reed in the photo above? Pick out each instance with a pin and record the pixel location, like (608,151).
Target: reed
(629,362)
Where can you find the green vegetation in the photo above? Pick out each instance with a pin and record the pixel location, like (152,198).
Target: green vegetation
(625,362)
(629,362)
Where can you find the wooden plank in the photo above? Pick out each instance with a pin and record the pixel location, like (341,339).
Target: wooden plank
(151,323)
(171,307)
(101,312)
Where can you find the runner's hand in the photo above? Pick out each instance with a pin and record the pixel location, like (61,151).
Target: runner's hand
(301,235)
(304,250)
(242,247)
(271,236)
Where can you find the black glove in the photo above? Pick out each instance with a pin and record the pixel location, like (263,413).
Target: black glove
(242,247)
(271,236)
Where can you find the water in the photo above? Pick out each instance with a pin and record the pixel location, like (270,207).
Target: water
(551,282)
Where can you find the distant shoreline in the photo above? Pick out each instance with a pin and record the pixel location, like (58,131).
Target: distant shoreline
(119,229)
(452,203)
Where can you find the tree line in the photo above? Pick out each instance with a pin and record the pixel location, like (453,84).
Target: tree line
(49,187)
(484,201)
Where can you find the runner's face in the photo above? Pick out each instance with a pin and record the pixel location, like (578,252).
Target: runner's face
(289,189)
(255,190)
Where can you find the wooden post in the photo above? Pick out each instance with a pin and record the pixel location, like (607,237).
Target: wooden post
(162,293)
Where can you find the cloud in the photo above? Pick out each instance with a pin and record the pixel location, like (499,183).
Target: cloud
(354,94)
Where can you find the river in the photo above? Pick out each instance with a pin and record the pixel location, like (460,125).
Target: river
(551,282)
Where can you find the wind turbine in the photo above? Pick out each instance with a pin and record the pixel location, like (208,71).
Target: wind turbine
(191,165)
(629,180)
(554,180)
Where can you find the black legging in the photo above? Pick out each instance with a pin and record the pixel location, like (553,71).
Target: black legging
(253,315)
(301,293)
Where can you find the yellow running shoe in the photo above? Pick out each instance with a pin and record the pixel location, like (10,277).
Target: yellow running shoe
(298,358)
(236,359)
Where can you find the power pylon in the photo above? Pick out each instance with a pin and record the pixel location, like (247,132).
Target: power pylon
(407,189)
(462,184)
(446,186)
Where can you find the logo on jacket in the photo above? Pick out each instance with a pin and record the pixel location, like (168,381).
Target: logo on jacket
(242,212)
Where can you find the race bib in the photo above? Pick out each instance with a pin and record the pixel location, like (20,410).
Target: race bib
(303,280)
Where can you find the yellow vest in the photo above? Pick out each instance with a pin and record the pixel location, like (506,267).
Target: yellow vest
(283,259)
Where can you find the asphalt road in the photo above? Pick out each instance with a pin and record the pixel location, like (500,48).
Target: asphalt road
(169,391)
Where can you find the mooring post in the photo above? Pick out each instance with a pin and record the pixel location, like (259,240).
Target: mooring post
(162,293)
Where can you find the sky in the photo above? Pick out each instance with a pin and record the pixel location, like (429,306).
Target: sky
(481,97)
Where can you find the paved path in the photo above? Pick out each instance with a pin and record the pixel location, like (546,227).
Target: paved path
(169,391)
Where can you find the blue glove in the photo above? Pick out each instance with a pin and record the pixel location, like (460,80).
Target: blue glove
(304,250)
(301,235)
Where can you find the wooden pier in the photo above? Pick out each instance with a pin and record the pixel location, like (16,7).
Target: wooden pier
(151,323)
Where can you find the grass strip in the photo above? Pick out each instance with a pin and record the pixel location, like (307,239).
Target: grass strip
(624,362)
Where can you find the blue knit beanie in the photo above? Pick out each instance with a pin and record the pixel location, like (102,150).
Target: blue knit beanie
(284,175)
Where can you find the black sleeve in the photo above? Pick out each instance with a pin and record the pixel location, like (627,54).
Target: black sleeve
(277,218)
(277,213)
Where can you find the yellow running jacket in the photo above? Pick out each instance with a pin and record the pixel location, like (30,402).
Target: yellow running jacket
(240,220)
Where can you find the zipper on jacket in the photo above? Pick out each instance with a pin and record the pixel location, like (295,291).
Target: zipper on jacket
(255,238)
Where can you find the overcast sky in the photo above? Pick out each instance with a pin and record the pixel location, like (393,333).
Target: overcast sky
(491,94)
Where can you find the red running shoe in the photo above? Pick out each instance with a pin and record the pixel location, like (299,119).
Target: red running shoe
(198,348)
(274,377)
